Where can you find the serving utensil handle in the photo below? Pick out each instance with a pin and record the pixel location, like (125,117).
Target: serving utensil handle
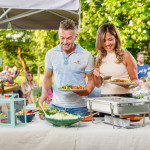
(91,115)
(43,109)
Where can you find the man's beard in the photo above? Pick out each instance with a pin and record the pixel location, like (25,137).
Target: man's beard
(67,47)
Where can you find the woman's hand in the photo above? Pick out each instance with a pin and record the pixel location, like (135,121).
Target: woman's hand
(130,86)
(98,80)
(96,72)
(126,86)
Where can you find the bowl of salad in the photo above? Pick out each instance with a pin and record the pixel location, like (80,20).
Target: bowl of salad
(63,119)
(51,111)
(29,115)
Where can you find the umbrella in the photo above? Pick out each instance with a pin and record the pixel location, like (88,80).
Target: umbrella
(37,14)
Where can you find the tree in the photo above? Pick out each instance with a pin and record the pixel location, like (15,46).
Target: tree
(28,46)
(15,47)
(130,16)
(43,41)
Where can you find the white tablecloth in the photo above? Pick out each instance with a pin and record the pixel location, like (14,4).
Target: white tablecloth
(42,135)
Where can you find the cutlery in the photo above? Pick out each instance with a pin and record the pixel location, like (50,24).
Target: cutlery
(47,116)
(105,77)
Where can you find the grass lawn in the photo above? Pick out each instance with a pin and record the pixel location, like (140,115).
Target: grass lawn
(20,79)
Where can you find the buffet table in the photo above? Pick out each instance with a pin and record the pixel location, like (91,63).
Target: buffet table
(40,134)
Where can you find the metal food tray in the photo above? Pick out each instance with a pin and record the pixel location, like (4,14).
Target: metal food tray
(118,105)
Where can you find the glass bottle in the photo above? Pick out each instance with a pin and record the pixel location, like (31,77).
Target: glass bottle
(37,102)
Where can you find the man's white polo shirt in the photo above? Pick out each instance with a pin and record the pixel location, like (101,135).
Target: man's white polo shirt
(70,70)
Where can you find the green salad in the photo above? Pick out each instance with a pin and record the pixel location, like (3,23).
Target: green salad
(67,86)
(53,110)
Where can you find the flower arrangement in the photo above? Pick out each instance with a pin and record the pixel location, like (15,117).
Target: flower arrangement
(140,93)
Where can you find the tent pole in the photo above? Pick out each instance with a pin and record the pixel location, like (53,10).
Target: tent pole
(5,13)
(58,14)
(21,16)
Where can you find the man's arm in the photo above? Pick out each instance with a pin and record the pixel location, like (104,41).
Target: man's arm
(47,83)
(90,85)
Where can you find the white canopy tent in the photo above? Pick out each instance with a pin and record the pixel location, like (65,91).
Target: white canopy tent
(37,14)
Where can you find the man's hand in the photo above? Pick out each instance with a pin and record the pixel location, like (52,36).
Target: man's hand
(89,87)
(47,82)
(43,98)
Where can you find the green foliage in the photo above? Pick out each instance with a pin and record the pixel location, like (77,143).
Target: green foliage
(43,41)
(37,91)
(33,45)
(20,79)
(10,41)
(130,16)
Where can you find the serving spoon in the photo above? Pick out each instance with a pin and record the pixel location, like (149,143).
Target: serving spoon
(105,77)
(47,116)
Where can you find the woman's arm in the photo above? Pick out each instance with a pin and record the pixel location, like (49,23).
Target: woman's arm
(130,63)
(97,78)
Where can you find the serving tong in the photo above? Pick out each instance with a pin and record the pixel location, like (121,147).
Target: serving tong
(91,115)
(47,116)
(105,77)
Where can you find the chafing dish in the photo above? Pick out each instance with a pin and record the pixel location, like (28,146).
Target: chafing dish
(119,105)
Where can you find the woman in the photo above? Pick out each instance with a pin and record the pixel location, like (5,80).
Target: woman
(113,61)
(27,87)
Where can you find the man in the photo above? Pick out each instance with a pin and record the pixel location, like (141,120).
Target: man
(69,63)
(5,72)
(13,74)
(143,69)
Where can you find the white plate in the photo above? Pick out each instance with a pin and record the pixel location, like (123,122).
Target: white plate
(72,90)
(122,83)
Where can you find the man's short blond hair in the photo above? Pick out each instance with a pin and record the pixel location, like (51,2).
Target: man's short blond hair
(67,25)
(140,53)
